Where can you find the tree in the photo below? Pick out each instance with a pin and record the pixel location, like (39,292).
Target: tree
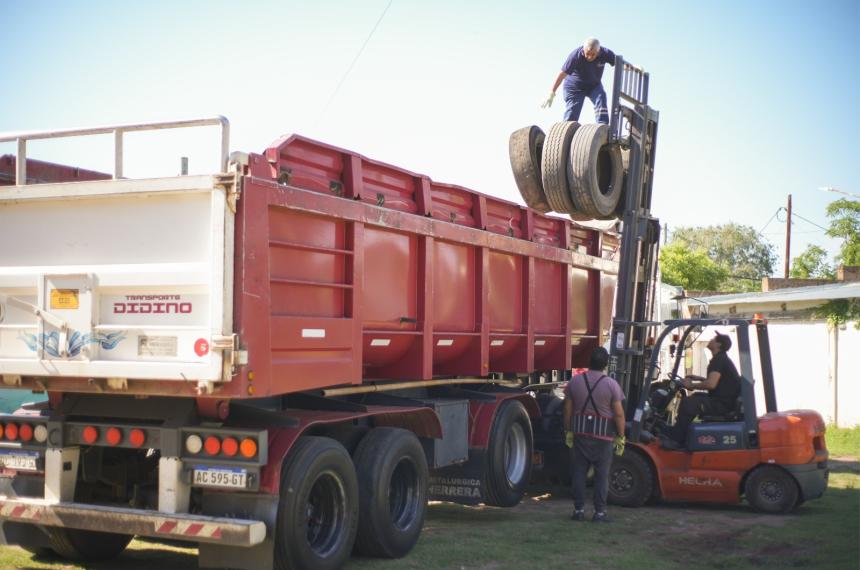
(812,264)
(844,217)
(739,250)
(692,270)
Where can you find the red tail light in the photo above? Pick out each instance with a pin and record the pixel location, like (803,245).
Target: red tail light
(249,447)
(11,431)
(137,437)
(113,436)
(90,435)
(212,445)
(25,432)
(230,446)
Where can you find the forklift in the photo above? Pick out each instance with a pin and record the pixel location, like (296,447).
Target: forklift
(776,461)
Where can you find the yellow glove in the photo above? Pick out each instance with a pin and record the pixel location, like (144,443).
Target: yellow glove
(568,438)
(548,103)
(618,444)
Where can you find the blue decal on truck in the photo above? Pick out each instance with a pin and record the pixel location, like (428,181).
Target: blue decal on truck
(50,342)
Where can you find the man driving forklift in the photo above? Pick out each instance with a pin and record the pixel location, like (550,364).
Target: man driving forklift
(722,384)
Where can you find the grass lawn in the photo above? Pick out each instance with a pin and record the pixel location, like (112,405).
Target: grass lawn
(843,441)
(538,534)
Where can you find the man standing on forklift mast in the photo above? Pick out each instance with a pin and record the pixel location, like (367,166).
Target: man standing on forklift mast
(593,411)
(581,73)
(722,383)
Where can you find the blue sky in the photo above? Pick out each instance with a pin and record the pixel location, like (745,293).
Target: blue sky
(757,99)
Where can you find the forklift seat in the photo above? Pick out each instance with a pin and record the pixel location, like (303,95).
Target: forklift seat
(734,415)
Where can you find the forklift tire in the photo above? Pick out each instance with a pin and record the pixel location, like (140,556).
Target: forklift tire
(392,492)
(554,159)
(595,172)
(631,480)
(318,507)
(87,545)
(525,148)
(771,490)
(509,456)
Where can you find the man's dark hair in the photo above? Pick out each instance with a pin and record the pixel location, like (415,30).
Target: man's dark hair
(724,341)
(599,359)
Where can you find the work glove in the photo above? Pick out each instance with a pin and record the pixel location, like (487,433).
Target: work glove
(618,444)
(548,103)
(568,439)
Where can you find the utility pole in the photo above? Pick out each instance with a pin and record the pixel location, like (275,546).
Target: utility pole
(788,238)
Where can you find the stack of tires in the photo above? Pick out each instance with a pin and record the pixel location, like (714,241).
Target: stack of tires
(571,170)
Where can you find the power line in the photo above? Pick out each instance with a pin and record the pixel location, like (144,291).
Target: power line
(810,222)
(770,220)
(351,65)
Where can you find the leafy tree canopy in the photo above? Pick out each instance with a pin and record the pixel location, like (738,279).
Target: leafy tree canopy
(844,217)
(744,255)
(812,264)
(692,270)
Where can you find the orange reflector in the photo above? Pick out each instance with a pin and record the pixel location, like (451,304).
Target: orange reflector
(212,445)
(137,437)
(1,430)
(230,446)
(11,431)
(90,435)
(113,436)
(248,447)
(26,432)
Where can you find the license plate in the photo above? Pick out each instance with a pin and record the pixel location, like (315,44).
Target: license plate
(220,477)
(19,460)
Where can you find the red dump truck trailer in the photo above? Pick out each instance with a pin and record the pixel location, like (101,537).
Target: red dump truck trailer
(280,361)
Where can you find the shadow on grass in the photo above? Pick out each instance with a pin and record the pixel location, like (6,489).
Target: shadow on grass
(140,555)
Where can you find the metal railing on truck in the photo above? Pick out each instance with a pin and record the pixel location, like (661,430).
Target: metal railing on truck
(118,132)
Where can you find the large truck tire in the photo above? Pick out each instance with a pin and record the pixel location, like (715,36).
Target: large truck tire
(392,490)
(631,480)
(509,456)
(318,508)
(771,490)
(554,159)
(525,148)
(87,545)
(595,172)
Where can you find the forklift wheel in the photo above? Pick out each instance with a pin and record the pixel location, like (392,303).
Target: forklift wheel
(771,490)
(631,481)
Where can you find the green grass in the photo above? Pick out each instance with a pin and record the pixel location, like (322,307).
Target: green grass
(843,441)
(538,534)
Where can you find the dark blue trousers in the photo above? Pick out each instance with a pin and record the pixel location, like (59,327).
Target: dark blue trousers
(575,98)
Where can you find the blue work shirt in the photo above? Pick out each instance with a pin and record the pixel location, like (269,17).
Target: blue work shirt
(584,75)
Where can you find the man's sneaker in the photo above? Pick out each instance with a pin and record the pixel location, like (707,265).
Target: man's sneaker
(578,516)
(600,518)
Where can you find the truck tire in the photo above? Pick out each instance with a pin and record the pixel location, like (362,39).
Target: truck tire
(509,456)
(595,172)
(631,480)
(771,490)
(554,159)
(318,507)
(392,490)
(525,148)
(87,545)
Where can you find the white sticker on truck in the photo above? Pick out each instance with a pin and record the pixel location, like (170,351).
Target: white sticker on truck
(157,345)
(313,333)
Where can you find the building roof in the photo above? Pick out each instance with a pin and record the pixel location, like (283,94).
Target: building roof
(793,299)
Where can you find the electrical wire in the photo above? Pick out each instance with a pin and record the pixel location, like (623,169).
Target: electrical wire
(770,220)
(809,221)
(351,65)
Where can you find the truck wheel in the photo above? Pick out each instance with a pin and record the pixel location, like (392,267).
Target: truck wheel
(771,490)
(556,153)
(87,545)
(631,481)
(509,456)
(318,508)
(525,148)
(595,172)
(392,491)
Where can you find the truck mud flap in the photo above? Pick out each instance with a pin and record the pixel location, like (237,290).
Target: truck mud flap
(179,526)
(460,483)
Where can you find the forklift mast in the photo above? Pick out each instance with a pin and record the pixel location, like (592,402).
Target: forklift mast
(633,125)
